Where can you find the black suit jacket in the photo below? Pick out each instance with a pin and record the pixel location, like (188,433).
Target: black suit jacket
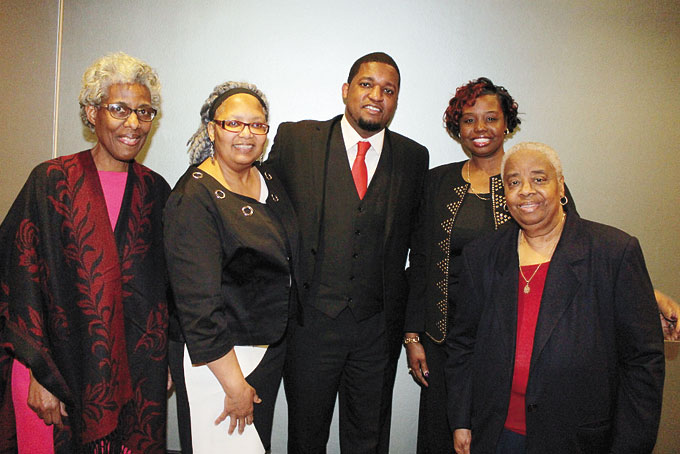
(597,367)
(300,156)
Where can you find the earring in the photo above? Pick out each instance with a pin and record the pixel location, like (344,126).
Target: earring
(212,152)
(507,131)
(564,200)
(505,207)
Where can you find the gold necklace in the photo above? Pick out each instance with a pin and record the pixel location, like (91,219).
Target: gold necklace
(472,191)
(527,289)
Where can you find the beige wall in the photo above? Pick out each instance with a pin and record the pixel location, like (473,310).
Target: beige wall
(28,39)
(596,80)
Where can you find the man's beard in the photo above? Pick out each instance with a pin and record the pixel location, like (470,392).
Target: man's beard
(369,125)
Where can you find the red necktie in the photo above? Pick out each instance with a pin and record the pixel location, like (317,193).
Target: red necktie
(359,171)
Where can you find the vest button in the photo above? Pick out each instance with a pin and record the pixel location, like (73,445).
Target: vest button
(355,255)
(532,408)
(351,278)
(357,232)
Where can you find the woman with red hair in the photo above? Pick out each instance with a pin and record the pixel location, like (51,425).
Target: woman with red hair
(462,201)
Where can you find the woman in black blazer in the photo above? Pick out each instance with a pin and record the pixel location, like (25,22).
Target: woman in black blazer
(555,345)
(230,238)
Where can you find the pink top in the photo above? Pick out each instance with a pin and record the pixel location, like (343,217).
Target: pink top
(528,305)
(113,185)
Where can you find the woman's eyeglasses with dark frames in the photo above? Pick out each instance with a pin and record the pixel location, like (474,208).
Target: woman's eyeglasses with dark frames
(236,126)
(121,111)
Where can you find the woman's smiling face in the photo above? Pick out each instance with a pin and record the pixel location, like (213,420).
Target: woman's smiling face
(533,190)
(482,127)
(238,150)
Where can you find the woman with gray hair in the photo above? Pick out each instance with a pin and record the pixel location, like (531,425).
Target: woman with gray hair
(555,343)
(231,240)
(83,283)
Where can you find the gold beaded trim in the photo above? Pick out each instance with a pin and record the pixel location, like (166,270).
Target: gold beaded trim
(500,217)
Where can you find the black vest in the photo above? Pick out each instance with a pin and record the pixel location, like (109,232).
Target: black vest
(349,271)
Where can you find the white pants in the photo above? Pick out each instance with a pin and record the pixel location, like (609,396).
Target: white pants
(206,403)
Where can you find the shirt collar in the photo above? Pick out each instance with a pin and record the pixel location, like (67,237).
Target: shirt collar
(351,137)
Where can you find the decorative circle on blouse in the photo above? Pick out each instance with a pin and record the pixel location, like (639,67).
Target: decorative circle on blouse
(220,194)
(197,175)
(275,197)
(247,210)
(268,175)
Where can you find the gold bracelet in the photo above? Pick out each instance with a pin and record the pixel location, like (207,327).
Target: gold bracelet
(411,340)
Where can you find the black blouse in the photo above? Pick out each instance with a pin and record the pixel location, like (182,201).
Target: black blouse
(474,220)
(230,263)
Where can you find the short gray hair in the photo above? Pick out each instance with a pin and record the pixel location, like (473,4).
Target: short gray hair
(545,150)
(117,68)
(200,144)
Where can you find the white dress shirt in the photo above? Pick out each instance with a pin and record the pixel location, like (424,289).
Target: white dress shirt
(352,138)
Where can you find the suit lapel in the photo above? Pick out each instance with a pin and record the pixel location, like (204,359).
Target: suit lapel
(562,283)
(317,144)
(396,173)
(505,297)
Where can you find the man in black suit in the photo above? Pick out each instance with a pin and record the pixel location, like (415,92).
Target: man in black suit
(356,205)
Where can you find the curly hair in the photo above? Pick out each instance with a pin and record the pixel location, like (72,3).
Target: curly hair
(117,68)
(199,143)
(466,95)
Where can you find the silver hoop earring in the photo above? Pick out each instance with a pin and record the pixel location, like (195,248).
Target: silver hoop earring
(564,200)
(505,207)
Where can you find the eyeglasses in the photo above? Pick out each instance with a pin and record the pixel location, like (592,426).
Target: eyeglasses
(121,111)
(259,129)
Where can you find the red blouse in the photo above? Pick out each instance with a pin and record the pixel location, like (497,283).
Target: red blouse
(528,305)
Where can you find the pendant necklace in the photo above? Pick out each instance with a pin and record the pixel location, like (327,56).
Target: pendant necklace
(527,289)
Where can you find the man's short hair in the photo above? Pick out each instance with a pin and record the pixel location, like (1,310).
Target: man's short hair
(379,57)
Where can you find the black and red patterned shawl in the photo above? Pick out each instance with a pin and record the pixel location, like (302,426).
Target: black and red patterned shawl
(85,308)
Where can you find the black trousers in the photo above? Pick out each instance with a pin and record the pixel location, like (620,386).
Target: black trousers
(343,358)
(434,433)
(511,443)
(266,379)
(175,362)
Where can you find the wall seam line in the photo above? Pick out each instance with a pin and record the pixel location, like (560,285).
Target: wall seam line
(57,78)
